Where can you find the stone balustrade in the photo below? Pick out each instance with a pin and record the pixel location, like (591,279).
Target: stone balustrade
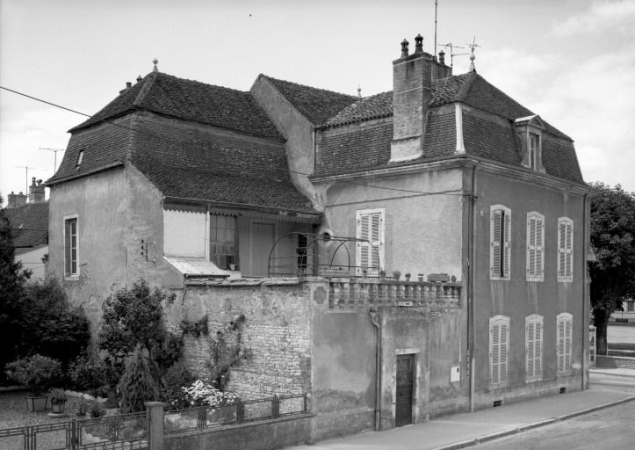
(346,293)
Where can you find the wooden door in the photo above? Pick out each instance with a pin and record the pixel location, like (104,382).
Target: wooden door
(262,243)
(405,390)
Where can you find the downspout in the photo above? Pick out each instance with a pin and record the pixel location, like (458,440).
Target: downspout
(471,329)
(585,322)
(375,320)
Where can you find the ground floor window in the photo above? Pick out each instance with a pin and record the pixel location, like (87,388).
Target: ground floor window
(533,348)
(498,350)
(564,329)
(223,241)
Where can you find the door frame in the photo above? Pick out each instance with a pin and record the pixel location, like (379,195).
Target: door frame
(415,353)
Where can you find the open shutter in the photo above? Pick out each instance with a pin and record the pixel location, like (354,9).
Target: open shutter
(531,247)
(562,256)
(507,243)
(503,352)
(370,225)
(538,349)
(530,330)
(540,238)
(375,239)
(495,243)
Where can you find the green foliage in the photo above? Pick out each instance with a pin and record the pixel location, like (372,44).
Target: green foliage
(195,328)
(12,279)
(131,317)
(227,351)
(35,372)
(168,352)
(613,240)
(88,373)
(176,377)
(51,326)
(95,410)
(57,396)
(137,385)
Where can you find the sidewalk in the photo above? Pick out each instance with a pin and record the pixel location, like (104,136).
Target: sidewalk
(463,430)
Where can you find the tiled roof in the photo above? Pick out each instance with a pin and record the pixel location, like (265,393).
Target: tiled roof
(317,105)
(213,167)
(354,149)
(29,224)
(190,100)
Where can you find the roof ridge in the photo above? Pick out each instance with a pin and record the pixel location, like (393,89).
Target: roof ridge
(148,82)
(305,86)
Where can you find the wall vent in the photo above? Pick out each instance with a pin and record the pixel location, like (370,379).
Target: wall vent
(563,390)
(498,403)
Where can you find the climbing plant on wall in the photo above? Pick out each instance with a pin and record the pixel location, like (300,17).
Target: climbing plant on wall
(227,351)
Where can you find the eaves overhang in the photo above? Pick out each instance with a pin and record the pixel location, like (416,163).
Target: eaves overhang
(52,182)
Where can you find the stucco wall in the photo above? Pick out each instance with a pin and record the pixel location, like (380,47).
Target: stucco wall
(423,218)
(185,233)
(518,298)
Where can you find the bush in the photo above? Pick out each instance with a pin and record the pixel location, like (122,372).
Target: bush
(35,372)
(51,327)
(176,377)
(203,394)
(88,373)
(137,385)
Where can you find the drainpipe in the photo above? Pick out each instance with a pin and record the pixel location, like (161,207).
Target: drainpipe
(585,319)
(471,329)
(375,320)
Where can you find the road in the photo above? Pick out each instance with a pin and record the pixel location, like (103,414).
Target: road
(606,429)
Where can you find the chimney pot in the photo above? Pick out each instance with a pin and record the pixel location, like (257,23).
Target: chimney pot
(442,57)
(128,84)
(139,78)
(404,48)
(419,44)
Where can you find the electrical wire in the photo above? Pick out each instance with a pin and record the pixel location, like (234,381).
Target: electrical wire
(180,144)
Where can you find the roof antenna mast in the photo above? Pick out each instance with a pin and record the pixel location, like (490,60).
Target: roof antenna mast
(436,7)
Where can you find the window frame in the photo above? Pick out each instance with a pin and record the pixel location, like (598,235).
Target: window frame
(69,273)
(564,343)
(533,153)
(362,245)
(500,270)
(214,256)
(500,377)
(535,271)
(534,348)
(565,255)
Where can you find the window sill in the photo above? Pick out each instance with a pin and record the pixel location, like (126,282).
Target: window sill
(565,280)
(71,278)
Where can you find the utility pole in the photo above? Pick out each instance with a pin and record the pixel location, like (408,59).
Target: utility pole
(55,150)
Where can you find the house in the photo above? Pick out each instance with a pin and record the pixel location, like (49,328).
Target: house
(300,209)
(29,228)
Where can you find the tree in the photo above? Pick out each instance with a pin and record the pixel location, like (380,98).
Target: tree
(613,240)
(12,279)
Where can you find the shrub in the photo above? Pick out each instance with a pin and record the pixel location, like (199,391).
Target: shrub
(88,373)
(176,377)
(35,372)
(203,394)
(137,385)
(96,410)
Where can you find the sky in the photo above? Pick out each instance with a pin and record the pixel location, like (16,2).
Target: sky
(570,61)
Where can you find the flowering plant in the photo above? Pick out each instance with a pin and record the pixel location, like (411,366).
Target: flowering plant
(203,394)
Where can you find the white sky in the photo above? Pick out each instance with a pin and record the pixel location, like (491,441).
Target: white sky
(571,61)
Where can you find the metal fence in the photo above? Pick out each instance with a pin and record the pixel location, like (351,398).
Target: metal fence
(195,419)
(119,432)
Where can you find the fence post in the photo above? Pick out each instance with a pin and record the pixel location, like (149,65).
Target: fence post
(275,406)
(154,416)
(240,411)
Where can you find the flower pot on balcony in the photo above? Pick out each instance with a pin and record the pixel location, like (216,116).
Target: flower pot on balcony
(36,404)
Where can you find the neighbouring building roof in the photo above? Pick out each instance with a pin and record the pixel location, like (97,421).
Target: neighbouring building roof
(317,105)
(29,224)
(355,148)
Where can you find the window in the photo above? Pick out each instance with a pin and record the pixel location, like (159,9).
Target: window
(535,246)
(370,251)
(80,158)
(500,237)
(533,348)
(498,350)
(565,249)
(302,250)
(223,242)
(533,150)
(563,344)
(71,267)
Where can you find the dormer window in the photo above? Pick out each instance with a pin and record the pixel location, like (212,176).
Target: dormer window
(80,157)
(529,130)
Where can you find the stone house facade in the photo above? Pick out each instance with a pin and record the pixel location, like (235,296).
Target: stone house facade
(409,254)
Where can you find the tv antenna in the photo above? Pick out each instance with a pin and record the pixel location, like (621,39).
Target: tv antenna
(55,150)
(451,46)
(472,46)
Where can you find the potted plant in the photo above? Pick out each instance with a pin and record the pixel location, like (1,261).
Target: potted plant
(95,410)
(82,408)
(58,400)
(407,277)
(396,274)
(35,373)
(420,277)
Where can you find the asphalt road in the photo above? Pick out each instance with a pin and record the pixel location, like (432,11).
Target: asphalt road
(606,429)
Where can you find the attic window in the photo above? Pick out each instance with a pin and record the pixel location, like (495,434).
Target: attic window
(533,150)
(80,157)
(529,130)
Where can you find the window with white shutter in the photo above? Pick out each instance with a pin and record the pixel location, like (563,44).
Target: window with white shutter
(535,246)
(498,350)
(565,249)
(563,343)
(500,242)
(533,348)
(370,250)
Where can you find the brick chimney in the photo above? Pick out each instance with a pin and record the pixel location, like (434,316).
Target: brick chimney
(36,191)
(16,200)
(412,93)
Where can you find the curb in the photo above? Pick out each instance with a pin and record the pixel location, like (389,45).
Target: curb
(531,426)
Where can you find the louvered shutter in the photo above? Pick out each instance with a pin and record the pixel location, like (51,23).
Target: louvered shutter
(503,352)
(495,238)
(495,353)
(363,225)
(369,248)
(531,246)
(375,239)
(540,232)
(568,266)
(538,349)
(560,345)
(565,249)
(530,331)
(499,345)
(562,255)
(567,345)
(507,244)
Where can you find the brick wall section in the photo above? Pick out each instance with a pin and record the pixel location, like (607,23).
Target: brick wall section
(276,331)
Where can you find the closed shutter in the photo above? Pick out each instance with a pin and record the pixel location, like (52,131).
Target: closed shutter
(568,248)
(369,248)
(496,235)
(499,345)
(500,242)
(565,249)
(533,348)
(564,343)
(530,329)
(507,244)
(535,250)
(538,350)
